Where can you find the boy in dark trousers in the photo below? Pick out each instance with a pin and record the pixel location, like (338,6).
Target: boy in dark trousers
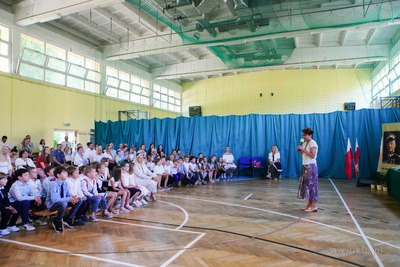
(6,210)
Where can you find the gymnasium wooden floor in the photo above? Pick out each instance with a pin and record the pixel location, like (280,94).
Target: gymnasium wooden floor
(213,225)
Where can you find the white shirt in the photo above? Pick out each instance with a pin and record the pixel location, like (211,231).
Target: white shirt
(174,169)
(75,186)
(306,159)
(20,163)
(168,168)
(5,166)
(125,181)
(97,158)
(5,144)
(151,165)
(89,153)
(193,166)
(64,144)
(185,166)
(276,156)
(116,184)
(159,169)
(80,160)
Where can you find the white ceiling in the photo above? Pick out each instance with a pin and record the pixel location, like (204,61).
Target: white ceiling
(128,33)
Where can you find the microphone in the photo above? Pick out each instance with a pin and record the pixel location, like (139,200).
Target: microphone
(301,143)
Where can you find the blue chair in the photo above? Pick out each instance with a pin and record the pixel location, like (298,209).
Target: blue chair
(262,164)
(245,163)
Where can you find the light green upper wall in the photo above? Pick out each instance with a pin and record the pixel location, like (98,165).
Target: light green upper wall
(38,108)
(294,91)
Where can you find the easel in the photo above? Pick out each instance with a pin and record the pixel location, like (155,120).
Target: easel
(359,183)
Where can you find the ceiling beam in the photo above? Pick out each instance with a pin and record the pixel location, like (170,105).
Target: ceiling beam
(343,36)
(72,31)
(314,56)
(95,29)
(156,45)
(370,35)
(145,19)
(103,12)
(317,39)
(29,12)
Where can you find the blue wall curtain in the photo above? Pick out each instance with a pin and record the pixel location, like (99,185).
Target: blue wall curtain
(253,135)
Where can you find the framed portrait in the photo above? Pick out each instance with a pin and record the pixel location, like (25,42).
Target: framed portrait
(390,145)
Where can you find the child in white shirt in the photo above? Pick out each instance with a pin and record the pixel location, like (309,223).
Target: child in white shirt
(160,171)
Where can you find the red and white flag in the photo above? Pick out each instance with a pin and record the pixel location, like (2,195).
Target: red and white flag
(356,157)
(349,157)
(380,156)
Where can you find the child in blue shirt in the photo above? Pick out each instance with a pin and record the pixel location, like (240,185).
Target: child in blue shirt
(22,196)
(59,198)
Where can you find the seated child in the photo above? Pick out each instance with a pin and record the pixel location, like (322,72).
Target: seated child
(75,188)
(126,184)
(49,171)
(101,180)
(37,187)
(160,171)
(6,210)
(176,174)
(125,194)
(150,162)
(189,177)
(132,181)
(22,196)
(89,189)
(59,198)
(194,169)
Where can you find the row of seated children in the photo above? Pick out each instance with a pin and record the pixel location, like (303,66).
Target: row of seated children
(187,170)
(67,187)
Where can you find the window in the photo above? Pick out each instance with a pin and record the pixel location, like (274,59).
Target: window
(4,49)
(127,87)
(53,64)
(167,99)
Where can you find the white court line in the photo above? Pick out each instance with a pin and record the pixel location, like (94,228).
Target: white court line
(286,215)
(149,226)
(168,229)
(248,196)
(182,209)
(378,260)
(183,250)
(70,253)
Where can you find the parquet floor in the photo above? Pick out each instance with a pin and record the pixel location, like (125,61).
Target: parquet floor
(213,225)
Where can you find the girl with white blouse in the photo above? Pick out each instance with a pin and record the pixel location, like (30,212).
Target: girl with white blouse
(229,161)
(5,161)
(114,183)
(274,159)
(23,161)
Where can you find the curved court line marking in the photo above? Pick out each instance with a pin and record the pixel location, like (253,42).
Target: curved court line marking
(288,215)
(182,209)
(70,253)
(149,226)
(378,260)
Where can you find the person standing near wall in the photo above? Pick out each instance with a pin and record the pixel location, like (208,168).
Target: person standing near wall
(4,142)
(308,186)
(66,142)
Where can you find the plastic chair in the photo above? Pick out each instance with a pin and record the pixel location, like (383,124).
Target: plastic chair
(245,163)
(262,164)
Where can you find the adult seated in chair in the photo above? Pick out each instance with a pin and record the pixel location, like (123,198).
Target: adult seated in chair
(275,168)
(229,161)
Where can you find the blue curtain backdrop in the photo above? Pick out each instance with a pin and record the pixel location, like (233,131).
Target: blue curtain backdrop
(253,135)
